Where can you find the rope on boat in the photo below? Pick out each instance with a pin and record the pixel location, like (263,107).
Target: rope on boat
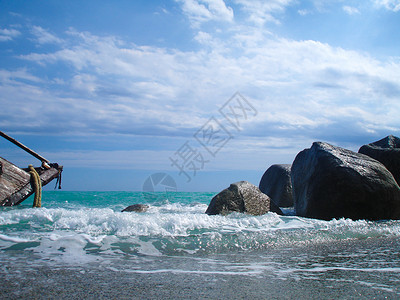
(60,169)
(37,186)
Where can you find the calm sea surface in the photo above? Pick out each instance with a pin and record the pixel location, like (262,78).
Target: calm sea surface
(80,244)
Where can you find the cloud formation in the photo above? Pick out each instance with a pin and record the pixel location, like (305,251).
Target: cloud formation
(350,10)
(8,34)
(45,37)
(260,12)
(89,84)
(297,79)
(124,88)
(392,5)
(200,11)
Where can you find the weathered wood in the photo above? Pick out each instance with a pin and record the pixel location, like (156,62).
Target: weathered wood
(12,179)
(23,147)
(15,183)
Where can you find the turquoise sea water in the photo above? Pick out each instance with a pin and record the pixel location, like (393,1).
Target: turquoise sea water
(175,249)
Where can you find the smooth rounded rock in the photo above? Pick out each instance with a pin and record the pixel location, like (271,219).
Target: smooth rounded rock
(242,197)
(332,182)
(276,183)
(387,151)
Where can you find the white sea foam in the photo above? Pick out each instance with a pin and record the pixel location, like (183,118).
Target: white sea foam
(64,247)
(170,229)
(199,272)
(180,239)
(7,238)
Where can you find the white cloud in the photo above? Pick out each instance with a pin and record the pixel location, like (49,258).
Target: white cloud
(199,11)
(8,34)
(43,36)
(393,5)
(302,89)
(85,83)
(295,85)
(261,12)
(203,38)
(16,76)
(220,10)
(303,12)
(350,10)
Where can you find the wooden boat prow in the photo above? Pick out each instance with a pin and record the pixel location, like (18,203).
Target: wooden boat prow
(16,183)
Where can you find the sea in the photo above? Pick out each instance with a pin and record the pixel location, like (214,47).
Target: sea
(79,245)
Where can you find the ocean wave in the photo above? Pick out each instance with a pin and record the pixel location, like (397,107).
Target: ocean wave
(169,229)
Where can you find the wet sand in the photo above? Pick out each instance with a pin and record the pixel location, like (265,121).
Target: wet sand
(319,275)
(44,283)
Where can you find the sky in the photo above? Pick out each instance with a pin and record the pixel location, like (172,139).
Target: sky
(206,92)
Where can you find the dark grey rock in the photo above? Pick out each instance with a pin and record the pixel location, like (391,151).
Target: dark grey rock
(332,182)
(137,208)
(387,151)
(243,197)
(276,183)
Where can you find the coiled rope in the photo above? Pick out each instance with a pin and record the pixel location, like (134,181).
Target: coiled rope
(37,186)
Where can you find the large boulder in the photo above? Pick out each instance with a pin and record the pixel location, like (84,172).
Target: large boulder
(332,182)
(387,151)
(276,183)
(243,197)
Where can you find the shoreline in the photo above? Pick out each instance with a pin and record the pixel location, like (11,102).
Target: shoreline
(314,272)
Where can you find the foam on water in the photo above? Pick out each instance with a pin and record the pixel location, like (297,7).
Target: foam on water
(171,229)
(86,233)
(92,230)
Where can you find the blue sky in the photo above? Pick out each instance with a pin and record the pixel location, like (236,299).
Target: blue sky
(118,90)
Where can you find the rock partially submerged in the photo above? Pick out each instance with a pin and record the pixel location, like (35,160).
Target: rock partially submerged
(387,151)
(332,182)
(137,208)
(243,197)
(276,183)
